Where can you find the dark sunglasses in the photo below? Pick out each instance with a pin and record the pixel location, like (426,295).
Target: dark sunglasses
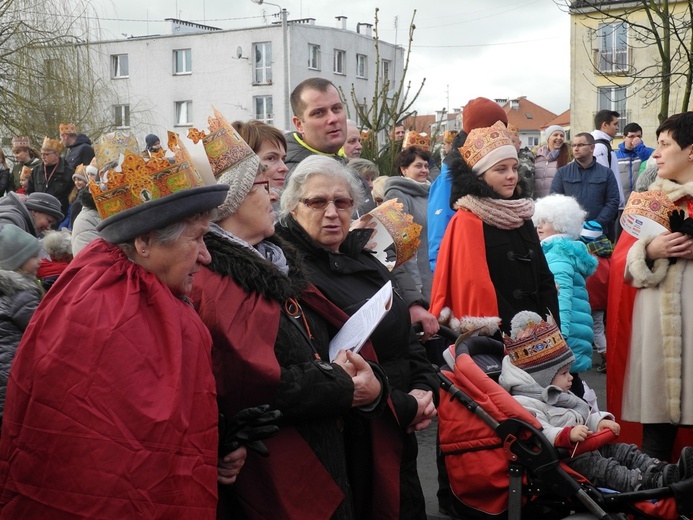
(319,203)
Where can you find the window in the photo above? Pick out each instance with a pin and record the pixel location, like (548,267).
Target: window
(361,66)
(263,109)
(613,47)
(263,63)
(182,61)
(119,66)
(314,56)
(339,62)
(614,98)
(122,116)
(183,113)
(386,65)
(532,141)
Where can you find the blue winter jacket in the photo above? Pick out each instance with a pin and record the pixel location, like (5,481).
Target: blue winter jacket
(571,264)
(439,212)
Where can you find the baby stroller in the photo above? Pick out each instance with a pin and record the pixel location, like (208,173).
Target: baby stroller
(501,466)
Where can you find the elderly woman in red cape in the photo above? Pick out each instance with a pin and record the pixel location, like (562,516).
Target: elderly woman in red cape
(334,456)
(649,332)
(110,409)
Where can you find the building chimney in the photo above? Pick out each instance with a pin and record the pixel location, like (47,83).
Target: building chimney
(367,28)
(341,22)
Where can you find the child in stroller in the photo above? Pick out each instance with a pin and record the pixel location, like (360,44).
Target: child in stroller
(536,373)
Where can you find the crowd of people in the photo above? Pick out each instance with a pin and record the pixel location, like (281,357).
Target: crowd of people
(165,347)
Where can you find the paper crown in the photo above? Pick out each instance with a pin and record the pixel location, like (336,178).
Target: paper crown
(67,128)
(449,136)
(25,173)
(52,144)
(128,180)
(413,138)
(403,234)
(647,213)
(513,130)
(21,142)
(483,141)
(537,346)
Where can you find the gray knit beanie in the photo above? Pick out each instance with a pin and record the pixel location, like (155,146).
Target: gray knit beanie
(16,247)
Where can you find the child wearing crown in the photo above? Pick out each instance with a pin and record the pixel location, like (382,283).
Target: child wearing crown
(536,372)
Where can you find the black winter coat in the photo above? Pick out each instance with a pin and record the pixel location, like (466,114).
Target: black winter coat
(80,152)
(58,183)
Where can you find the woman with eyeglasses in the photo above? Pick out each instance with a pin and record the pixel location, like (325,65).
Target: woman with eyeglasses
(271,330)
(315,215)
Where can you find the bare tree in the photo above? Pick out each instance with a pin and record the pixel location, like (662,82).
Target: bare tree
(390,104)
(666,28)
(45,68)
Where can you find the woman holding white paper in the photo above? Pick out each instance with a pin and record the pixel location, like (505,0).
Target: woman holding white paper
(315,214)
(271,331)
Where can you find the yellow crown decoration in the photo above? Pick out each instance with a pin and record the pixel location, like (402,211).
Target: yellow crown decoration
(52,144)
(401,228)
(481,141)
(413,138)
(67,128)
(647,213)
(224,147)
(134,180)
(449,136)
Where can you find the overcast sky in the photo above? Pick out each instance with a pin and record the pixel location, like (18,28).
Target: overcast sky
(464,49)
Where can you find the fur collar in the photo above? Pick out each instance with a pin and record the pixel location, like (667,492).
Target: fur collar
(672,189)
(465,182)
(12,282)
(254,274)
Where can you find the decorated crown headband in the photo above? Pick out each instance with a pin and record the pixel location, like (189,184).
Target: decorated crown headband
(536,344)
(401,228)
(482,141)
(128,180)
(420,140)
(67,128)
(52,144)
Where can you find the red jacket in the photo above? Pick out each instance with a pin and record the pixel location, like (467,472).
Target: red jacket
(111,407)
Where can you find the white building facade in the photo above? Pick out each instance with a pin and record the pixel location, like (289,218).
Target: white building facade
(169,82)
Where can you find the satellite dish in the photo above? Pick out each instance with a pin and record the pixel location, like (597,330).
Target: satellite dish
(239,52)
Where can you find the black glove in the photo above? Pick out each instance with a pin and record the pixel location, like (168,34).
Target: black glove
(676,220)
(687,227)
(247,428)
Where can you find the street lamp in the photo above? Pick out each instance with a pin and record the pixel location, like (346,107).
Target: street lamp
(285,34)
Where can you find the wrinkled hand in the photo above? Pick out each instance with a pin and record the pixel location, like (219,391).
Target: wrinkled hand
(579,433)
(670,245)
(425,411)
(367,387)
(247,428)
(611,425)
(230,466)
(428,321)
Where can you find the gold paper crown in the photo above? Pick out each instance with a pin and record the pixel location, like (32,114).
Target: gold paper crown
(21,142)
(481,141)
(67,128)
(136,181)
(401,227)
(449,136)
(52,144)
(224,147)
(654,205)
(413,138)
(513,130)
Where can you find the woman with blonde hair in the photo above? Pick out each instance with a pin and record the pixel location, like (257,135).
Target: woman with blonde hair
(550,156)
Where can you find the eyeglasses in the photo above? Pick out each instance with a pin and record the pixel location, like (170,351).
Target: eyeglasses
(47,153)
(580,145)
(266,185)
(319,203)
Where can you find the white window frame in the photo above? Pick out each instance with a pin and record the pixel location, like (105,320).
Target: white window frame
(313,56)
(262,66)
(186,65)
(362,66)
(183,113)
(264,106)
(339,62)
(386,69)
(612,57)
(120,66)
(614,98)
(121,113)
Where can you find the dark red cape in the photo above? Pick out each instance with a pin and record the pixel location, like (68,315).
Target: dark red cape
(111,405)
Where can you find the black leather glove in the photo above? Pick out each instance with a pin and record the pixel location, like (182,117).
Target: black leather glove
(247,428)
(687,227)
(676,220)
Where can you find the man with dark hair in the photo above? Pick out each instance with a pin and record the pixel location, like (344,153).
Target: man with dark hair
(606,128)
(632,155)
(79,150)
(590,183)
(320,121)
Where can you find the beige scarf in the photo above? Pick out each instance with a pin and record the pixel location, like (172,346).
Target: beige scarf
(500,213)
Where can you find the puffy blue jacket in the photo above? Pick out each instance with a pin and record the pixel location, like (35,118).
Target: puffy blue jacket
(571,264)
(439,213)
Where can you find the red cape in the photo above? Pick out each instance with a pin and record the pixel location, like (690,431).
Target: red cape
(619,320)
(111,406)
(247,374)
